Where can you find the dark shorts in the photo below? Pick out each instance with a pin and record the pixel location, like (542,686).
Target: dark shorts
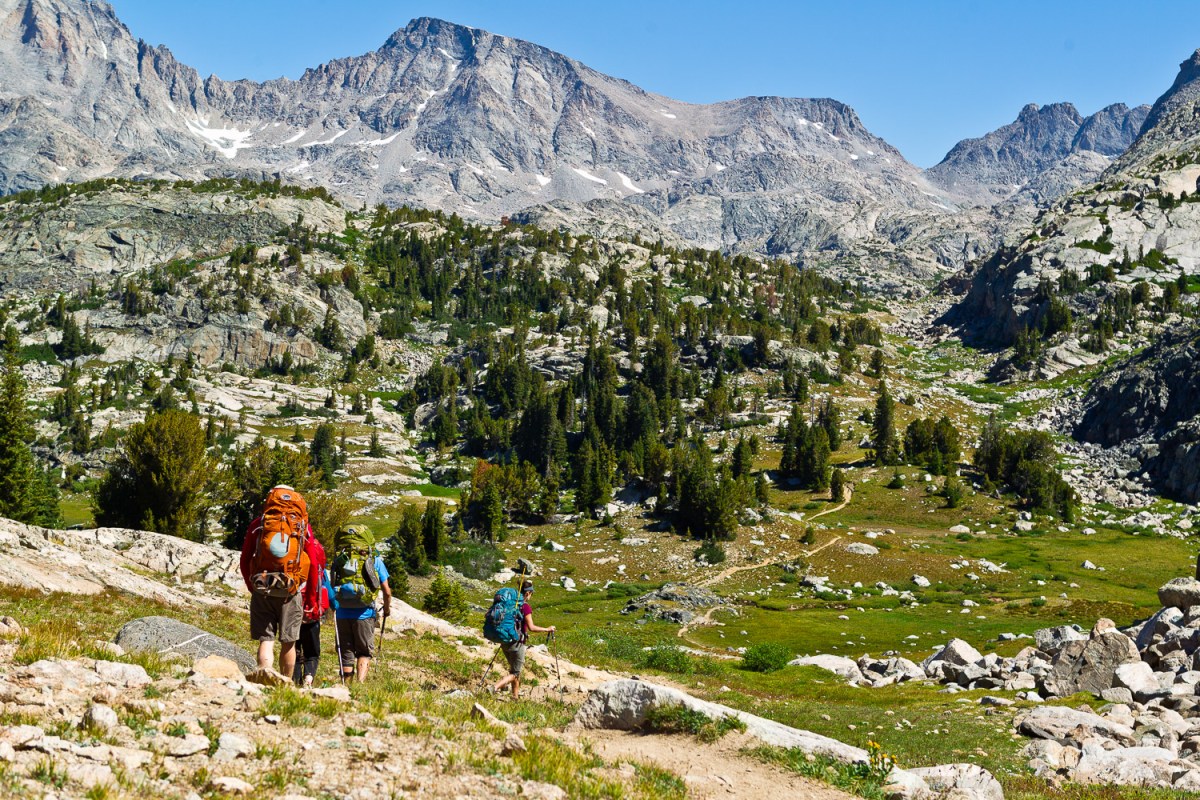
(515,653)
(355,639)
(276,617)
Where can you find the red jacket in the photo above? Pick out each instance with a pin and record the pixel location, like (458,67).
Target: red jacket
(315,602)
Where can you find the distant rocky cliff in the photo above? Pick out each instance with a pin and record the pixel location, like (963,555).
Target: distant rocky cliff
(1150,406)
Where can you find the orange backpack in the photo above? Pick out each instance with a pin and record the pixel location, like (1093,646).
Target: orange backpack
(280,564)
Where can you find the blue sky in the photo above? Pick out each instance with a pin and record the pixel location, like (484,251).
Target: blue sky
(922,75)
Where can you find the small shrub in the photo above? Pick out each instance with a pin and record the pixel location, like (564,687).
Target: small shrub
(679,718)
(668,658)
(478,560)
(445,599)
(711,551)
(897,481)
(766,657)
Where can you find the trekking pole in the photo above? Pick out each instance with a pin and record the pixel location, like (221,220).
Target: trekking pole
(337,643)
(488,671)
(382,628)
(552,640)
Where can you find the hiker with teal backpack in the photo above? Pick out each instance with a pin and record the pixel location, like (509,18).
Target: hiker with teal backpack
(508,623)
(358,577)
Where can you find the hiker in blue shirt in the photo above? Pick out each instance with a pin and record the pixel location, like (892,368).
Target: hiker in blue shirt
(356,612)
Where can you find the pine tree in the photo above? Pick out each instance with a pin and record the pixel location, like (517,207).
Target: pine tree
(158,481)
(323,453)
(18,469)
(433,531)
(830,418)
(883,436)
(837,486)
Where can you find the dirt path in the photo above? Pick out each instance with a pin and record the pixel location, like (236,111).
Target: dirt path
(731,571)
(717,770)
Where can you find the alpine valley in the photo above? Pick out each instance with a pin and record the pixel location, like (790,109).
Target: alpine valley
(846,476)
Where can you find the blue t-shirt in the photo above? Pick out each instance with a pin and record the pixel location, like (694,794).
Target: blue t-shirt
(364,612)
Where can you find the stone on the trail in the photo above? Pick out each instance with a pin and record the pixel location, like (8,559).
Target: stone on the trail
(339,693)
(921,580)
(168,636)
(1090,666)
(1071,726)
(862,549)
(965,781)
(960,529)
(190,745)
(567,582)
(218,668)
(1117,695)
(838,665)
(1052,640)
(526,567)
(268,677)
(512,744)
(10,628)
(1180,593)
(231,746)
(115,673)
(100,717)
(230,785)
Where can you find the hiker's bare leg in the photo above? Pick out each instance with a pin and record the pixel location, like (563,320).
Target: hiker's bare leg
(266,654)
(516,686)
(287,658)
(364,664)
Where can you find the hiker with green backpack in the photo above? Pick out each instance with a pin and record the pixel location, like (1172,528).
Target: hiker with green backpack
(508,623)
(358,577)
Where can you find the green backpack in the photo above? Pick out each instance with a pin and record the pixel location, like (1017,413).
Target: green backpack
(353,574)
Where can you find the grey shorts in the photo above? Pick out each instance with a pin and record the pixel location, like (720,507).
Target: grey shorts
(355,640)
(276,617)
(515,653)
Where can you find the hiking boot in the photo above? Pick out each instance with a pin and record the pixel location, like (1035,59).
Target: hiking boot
(267,677)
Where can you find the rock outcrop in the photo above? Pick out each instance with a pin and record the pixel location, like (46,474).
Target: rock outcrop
(1149,408)
(170,637)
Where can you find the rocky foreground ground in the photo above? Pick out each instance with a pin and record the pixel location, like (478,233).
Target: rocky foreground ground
(101,725)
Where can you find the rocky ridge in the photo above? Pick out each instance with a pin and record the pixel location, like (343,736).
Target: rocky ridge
(450,117)
(1140,220)
(1004,161)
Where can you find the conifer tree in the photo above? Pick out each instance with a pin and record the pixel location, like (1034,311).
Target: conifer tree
(158,481)
(27,493)
(883,437)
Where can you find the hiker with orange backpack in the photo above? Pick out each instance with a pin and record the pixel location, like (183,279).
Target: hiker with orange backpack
(275,565)
(318,598)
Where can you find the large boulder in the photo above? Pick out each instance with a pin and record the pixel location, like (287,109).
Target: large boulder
(965,781)
(1138,678)
(1180,593)
(1163,622)
(171,637)
(673,602)
(1051,640)
(1128,766)
(623,705)
(1069,726)
(1090,666)
(839,665)
(957,652)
